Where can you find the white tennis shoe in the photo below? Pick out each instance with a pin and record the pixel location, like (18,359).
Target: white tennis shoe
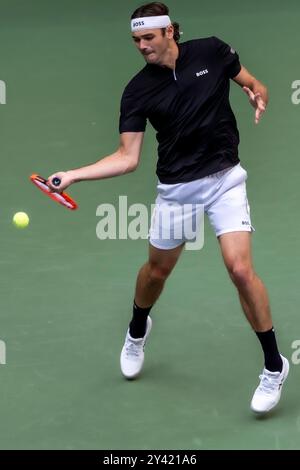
(268,392)
(132,355)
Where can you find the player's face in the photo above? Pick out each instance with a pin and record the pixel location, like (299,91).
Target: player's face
(152,44)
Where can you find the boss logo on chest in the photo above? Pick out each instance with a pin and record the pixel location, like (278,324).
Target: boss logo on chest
(201,72)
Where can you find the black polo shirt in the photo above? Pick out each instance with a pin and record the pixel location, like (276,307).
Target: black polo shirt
(189,108)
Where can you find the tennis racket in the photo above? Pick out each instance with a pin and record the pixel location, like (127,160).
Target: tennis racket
(62,198)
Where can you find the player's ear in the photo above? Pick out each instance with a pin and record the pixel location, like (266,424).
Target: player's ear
(170,31)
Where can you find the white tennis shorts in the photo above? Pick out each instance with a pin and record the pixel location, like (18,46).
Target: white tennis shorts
(222,196)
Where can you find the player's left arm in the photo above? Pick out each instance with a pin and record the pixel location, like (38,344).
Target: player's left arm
(256,91)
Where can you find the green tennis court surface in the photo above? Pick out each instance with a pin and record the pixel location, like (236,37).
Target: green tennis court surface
(66,295)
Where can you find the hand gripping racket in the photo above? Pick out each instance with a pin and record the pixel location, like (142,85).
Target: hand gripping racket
(63,198)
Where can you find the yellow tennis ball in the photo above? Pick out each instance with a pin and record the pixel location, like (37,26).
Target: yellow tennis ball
(21,219)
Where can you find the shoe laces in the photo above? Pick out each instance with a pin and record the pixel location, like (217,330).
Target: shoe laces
(133,349)
(269,383)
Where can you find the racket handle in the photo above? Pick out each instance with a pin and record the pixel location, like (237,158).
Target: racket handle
(56,181)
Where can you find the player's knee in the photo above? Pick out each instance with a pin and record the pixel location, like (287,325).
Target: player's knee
(241,273)
(159,273)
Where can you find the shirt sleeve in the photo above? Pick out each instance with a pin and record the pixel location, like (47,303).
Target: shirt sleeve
(228,56)
(132,119)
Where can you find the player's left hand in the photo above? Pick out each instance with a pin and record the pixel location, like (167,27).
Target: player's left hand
(257,102)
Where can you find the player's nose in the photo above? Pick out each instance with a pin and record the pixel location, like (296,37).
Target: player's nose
(142,45)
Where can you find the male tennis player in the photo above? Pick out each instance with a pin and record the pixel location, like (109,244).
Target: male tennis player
(183,91)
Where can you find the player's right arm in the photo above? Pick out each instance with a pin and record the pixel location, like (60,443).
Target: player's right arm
(124,160)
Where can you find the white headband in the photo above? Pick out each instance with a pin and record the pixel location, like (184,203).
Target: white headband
(150,22)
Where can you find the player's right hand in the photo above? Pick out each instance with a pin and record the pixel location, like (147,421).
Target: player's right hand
(65,181)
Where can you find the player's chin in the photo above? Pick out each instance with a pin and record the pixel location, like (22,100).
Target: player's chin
(150,58)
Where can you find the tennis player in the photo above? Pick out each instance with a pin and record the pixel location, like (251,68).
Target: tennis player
(183,91)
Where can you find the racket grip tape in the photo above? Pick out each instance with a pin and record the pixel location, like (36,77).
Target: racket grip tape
(56,181)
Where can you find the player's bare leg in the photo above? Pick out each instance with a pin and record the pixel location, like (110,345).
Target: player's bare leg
(149,285)
(153,274)
(236,251)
